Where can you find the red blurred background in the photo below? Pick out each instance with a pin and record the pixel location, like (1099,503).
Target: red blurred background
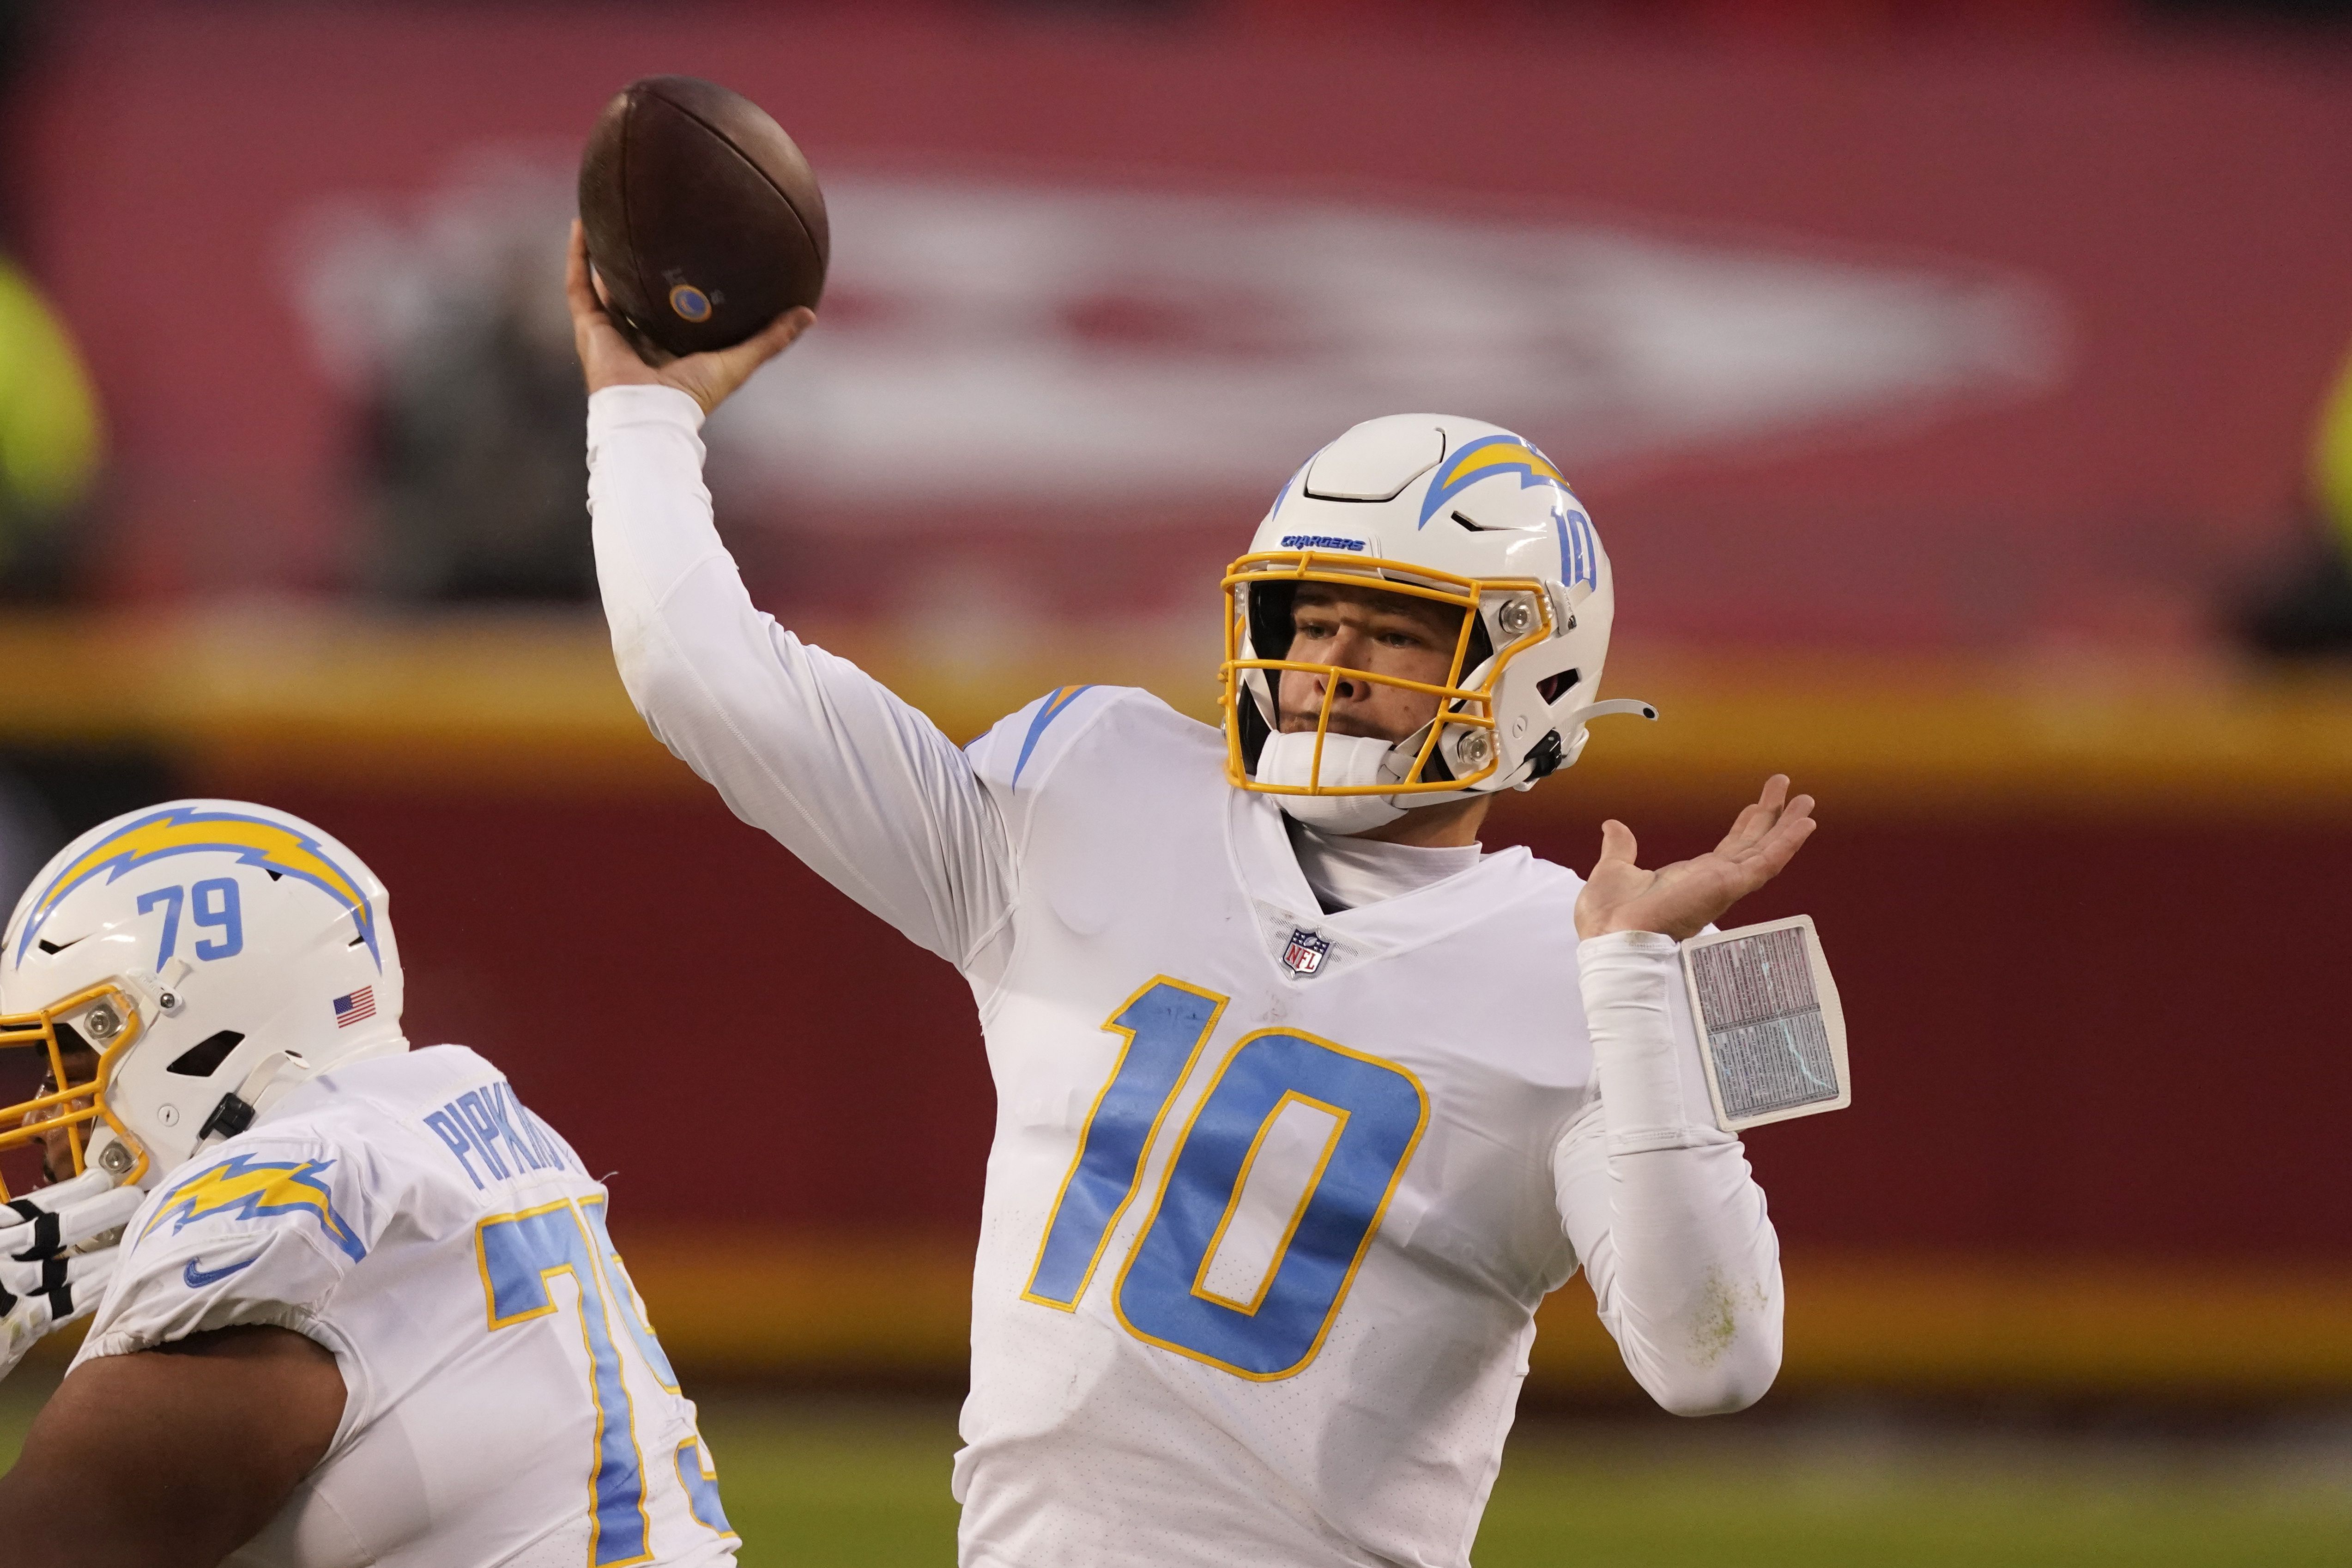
(1941,378)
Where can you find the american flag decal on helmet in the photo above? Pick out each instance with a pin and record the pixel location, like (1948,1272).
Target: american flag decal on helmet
(359,1005)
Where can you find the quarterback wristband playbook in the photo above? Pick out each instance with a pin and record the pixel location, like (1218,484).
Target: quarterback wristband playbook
(1768,1014)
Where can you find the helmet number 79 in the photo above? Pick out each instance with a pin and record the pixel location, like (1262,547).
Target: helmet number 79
(215,906)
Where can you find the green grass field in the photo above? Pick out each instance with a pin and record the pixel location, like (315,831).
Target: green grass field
(836,1483)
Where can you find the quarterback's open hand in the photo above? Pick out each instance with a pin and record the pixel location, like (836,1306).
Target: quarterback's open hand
(607,359)
(1682,899)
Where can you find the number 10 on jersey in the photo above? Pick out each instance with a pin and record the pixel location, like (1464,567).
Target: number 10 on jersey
(1348,1122)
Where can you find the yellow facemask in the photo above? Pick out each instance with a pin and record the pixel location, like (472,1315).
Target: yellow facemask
(1519,605)
(72,1098)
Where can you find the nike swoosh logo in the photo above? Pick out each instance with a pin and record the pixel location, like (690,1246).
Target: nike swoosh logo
(197,1278)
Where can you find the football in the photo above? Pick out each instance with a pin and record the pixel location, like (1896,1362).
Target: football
(704,221)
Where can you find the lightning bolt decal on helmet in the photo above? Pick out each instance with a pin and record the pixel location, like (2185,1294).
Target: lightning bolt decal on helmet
(1445,510)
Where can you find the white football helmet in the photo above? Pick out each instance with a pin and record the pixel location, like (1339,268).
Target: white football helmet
(1448,509)
(211,954)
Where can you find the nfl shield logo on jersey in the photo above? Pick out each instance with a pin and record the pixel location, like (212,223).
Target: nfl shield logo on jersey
(1307,950)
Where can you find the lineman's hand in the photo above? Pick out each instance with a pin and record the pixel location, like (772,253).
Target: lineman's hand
(607,359)
(1684,898)
(44,1283)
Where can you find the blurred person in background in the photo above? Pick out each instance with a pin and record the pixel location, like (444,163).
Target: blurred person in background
(50,444)
(2306,611)
(51,437)
(474,449)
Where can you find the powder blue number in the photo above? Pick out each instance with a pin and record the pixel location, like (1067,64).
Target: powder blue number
(518,1254)
(170,898)
(701,1484)
(1383,1112)
(217,908)
(625,1289)
(215,905)
(1165,1024)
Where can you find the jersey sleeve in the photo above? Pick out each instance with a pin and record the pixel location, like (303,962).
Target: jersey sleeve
(1017,759)
(1658,1202)
(263,1236)
(860,786)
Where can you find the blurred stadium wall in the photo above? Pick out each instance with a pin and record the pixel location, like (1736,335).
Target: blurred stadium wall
(1935,402)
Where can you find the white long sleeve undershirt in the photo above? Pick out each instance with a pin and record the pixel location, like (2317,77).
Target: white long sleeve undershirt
(1658,1204)
(1659,1201)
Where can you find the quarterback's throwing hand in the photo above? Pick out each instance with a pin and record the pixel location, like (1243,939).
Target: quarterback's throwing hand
(606,359)
(1682,899)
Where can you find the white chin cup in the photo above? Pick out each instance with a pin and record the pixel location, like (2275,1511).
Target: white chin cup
(1347,759)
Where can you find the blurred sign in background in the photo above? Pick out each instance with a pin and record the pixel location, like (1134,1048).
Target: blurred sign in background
(1944,377)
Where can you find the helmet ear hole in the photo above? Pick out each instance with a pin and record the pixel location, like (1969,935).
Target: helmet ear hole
(1552,688)
(204,1058)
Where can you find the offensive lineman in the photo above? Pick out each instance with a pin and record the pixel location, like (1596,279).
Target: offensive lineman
(364,1308)
(1304,1103)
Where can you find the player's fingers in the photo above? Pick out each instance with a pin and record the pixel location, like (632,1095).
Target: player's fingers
(1745,829)
(578,291)
(1617,843)
(1752,823)
(1759,819)
(768,342)
(1772,856)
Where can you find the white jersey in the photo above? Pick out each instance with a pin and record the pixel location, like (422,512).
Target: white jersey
(1273,1193)
(507,1402)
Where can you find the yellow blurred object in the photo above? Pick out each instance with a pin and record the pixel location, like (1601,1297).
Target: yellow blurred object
(246,698)
(2331,458)
(803,1304)
(50,431)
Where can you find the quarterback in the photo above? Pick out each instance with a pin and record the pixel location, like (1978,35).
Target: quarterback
(1304,1102)
(363,1308)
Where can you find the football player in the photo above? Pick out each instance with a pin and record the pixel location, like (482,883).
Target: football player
(364,1307)
(1304,1102)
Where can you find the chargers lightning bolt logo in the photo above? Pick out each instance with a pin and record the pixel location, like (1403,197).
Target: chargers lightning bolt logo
(191,830)
(246,1188)
(1492,454)
(1482,460)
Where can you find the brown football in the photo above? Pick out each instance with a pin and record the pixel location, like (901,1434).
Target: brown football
(704,221)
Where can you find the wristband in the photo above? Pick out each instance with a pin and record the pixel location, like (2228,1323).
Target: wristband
(1773,1032)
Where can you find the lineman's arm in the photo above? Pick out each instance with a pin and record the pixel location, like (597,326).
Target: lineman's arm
(171,1456)
(861,786)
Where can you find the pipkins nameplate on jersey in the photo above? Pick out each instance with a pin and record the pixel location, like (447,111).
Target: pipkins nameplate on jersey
(1768,1017)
